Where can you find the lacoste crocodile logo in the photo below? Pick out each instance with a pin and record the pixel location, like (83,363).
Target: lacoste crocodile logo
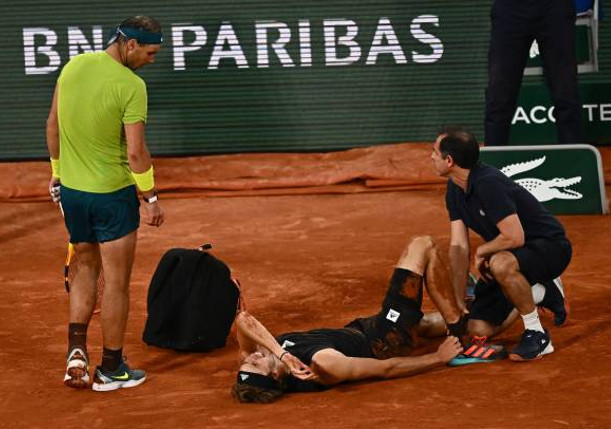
(543,190)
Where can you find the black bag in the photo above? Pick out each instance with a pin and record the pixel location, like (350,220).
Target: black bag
(192,302)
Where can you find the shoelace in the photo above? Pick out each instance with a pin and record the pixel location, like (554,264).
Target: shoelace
(479,340)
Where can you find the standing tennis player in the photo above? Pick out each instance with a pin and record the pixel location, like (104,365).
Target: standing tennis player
(95,136)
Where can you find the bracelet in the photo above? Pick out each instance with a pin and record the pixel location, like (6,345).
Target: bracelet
(145,181)
(282,354)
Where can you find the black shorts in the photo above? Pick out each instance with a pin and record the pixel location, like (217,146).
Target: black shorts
(393,328)
(539,260)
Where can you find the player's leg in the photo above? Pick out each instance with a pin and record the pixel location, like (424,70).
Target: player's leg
(83,290)
(487,312)
(396,325)
(118,258)
(83,293)
(117,261)
(84,284)
(117,219)
(422,257)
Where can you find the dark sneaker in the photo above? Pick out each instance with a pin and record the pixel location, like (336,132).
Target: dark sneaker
(555,300)
(478,350)
(533,345)
(77,369)
(122,377)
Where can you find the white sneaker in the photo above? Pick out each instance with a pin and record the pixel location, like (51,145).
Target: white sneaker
(77,369)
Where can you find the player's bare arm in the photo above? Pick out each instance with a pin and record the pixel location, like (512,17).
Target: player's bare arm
(140,162)
(52,133)
(333,367)
(253,335)
(53,128)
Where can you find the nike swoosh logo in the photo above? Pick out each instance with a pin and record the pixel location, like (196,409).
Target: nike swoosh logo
(123,376)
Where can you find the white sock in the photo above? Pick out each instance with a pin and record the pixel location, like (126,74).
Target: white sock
(532,322)
(538,292)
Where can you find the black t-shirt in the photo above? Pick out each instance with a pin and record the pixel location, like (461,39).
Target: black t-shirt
(304,345)
(491,197)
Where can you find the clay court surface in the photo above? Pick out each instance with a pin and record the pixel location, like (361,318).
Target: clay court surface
(313,239)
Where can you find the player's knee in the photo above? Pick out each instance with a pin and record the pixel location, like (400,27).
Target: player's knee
(502,264)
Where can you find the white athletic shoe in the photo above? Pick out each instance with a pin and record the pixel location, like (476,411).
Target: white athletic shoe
(77,369)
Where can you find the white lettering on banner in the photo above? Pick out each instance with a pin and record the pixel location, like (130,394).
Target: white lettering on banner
(305,43)
(590,108)
(30,50)
(227,35)
(520,116)
(347,40)
(341,44)
(534,116)
(426,38)
(385,30)
(178,42)
(278,46)
(542,120)
(605,112)
(542,114)
(78,43)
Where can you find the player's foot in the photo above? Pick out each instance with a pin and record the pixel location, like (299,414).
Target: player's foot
(533,345)
(122,377)
(478,350)
(555,300)
(77,369)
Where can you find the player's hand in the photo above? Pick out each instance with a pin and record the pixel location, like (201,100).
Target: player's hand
(449,349)
(54,190)
(154,214)
(483,267)
(298,369)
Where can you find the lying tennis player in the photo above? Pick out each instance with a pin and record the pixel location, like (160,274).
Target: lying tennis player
(366,348)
